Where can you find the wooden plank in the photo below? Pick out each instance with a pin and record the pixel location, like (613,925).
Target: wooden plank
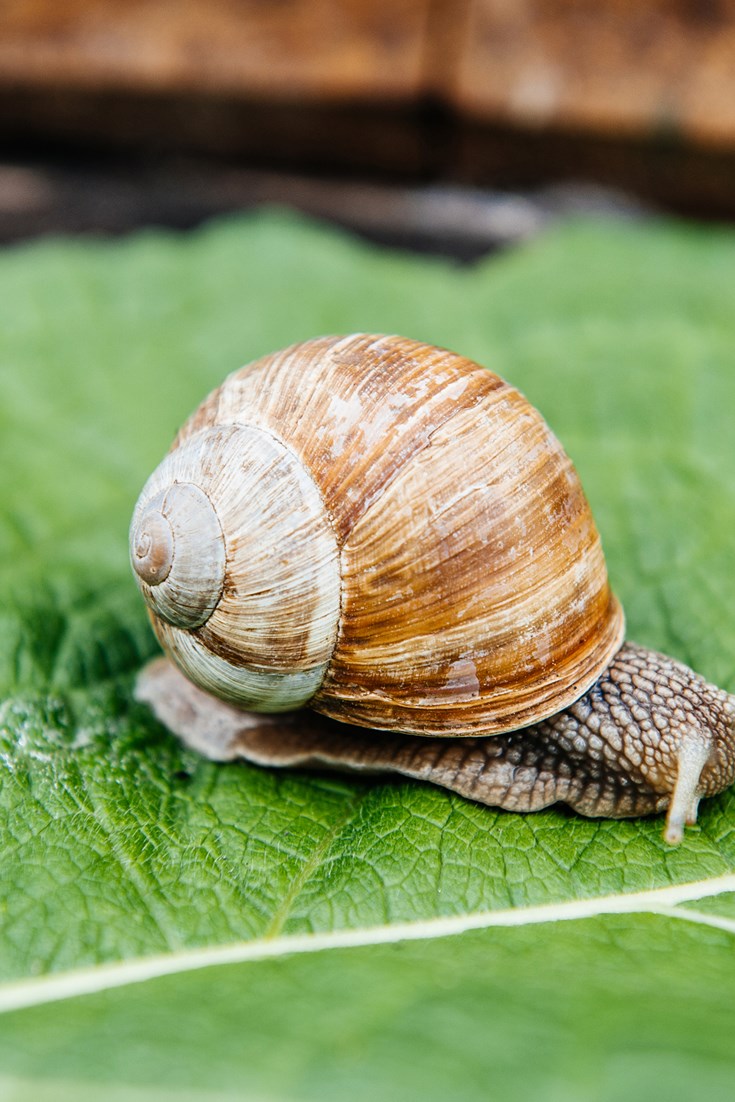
(508,92)
(318,49)
(662,69)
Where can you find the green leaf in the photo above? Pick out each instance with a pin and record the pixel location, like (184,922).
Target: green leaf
(177,929)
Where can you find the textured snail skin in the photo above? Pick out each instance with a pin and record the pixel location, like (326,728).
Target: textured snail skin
(650,735)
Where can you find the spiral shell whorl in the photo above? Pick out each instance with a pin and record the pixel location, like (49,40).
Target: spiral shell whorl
(177,550)
(237,561)
(152,547)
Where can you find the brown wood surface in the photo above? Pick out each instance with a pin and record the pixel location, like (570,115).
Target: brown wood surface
(511,93)
(623,67)
(604,66)
(325,49)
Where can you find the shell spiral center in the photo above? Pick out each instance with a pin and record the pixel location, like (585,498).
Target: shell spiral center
(177,550)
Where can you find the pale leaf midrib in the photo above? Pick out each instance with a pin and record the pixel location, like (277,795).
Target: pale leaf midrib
(664,902)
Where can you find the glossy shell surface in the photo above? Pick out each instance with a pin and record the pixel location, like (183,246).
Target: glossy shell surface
(406,544)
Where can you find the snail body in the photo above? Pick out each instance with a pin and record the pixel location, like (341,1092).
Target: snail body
(390,535)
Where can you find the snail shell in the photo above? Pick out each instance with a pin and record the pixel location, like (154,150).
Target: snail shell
(390,534)
(382,530)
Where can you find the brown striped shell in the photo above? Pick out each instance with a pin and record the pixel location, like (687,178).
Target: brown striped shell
(382,530)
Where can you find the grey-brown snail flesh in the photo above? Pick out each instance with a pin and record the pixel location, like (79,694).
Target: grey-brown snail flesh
(389,534)
(650,735)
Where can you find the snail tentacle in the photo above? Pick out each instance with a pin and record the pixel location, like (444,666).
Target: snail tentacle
(685,799)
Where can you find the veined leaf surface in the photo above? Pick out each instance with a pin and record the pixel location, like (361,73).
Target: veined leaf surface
(174,928)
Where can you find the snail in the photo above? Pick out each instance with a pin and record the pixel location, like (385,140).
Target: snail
(390,536)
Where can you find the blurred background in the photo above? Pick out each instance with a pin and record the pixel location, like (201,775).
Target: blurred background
(453,126)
